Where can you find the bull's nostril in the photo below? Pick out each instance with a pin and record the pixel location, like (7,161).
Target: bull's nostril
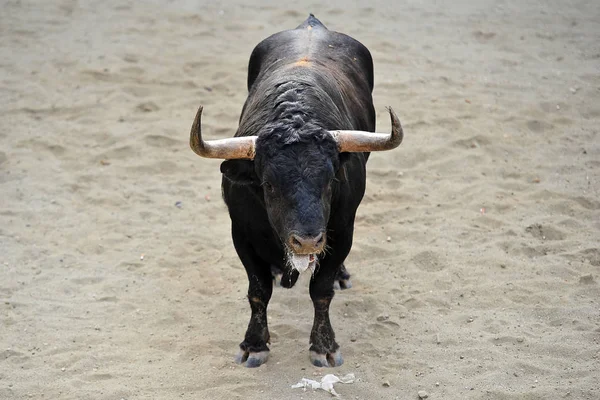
(319,239)
(307,244)
(296,242)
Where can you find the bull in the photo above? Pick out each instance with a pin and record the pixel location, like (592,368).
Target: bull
(294,173)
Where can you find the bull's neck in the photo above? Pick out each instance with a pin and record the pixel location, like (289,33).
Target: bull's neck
(294,103)
(291,101)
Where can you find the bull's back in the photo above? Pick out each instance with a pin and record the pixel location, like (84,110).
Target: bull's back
(312,45)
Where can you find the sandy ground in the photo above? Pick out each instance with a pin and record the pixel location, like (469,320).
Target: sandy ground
(476,264)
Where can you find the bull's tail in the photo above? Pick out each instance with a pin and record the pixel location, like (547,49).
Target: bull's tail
(311,21)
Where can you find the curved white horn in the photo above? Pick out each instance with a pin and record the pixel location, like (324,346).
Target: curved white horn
(361,141)
(228,149)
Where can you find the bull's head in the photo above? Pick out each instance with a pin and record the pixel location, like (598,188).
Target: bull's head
(296,170)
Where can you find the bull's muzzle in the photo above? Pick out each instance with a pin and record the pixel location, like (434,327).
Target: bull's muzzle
(300,244)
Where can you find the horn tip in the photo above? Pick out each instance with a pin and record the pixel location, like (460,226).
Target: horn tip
(397,131)
(393,116)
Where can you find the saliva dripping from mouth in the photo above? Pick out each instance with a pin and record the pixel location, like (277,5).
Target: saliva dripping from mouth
(302,262)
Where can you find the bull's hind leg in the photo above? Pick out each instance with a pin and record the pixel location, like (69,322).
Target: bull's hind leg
(253,350)
(324,351)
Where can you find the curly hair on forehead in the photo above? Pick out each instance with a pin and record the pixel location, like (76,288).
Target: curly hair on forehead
(294,100)
(279,135)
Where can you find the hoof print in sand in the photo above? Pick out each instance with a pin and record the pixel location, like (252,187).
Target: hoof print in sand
(428,261)
(544,232)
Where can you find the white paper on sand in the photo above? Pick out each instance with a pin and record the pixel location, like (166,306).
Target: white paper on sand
(326,383)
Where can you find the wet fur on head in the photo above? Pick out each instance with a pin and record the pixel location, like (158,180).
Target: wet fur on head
(276,137)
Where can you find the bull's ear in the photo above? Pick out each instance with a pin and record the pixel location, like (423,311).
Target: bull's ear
(240,172)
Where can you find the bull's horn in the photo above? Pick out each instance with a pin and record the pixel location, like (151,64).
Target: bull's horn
(228,149)
(360,141)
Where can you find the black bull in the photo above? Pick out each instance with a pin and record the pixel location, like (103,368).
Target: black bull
(295,173)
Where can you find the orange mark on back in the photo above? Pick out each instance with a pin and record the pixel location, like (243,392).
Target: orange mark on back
(303,62)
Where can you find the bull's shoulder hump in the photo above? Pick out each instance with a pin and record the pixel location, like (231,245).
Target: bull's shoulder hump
(311,22)
(290,42)
(303,45)
(272,48)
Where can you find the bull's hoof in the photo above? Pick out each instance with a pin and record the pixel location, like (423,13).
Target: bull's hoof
(277,275)
(342,279)
(342,284)
(326,360)
(252,359)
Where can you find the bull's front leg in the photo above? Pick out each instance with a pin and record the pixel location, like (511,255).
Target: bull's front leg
(324,351)
(253,350)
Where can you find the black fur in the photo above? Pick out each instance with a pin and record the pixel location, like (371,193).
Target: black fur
(301,83)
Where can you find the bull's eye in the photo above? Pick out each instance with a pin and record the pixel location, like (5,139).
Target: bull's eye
(268,187)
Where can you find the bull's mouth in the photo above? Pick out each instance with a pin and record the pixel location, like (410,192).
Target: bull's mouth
(302,262)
